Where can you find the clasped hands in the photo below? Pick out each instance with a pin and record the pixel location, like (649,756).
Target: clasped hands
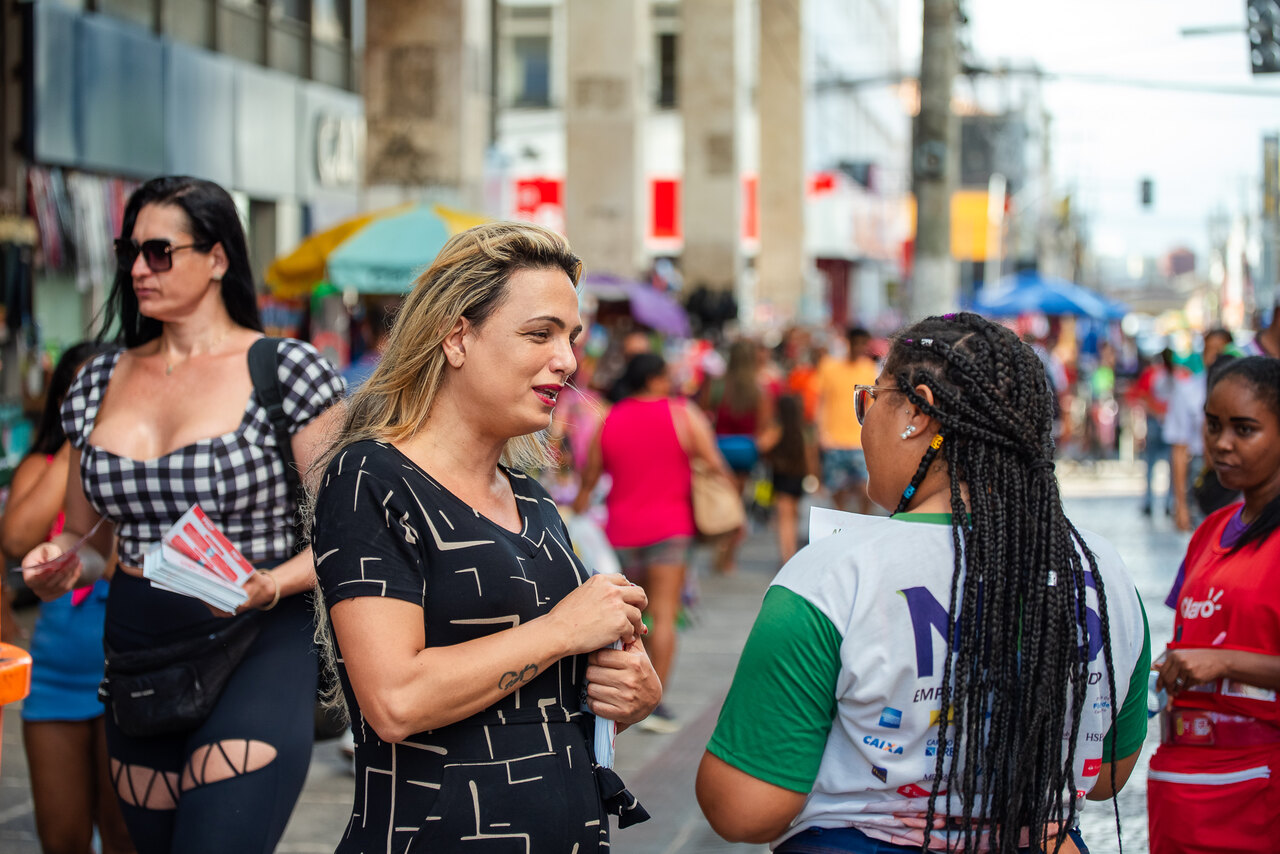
(622,685)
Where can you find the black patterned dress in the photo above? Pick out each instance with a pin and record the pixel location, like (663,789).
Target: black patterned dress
(518,776)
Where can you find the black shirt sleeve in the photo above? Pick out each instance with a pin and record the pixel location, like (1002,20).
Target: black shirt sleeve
(367,533)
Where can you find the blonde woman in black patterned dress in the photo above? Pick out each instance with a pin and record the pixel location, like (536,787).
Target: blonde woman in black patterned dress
(471,644)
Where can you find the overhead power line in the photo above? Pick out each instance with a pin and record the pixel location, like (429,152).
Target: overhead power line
(1244,90)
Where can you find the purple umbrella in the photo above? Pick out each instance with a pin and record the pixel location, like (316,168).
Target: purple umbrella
(655,309)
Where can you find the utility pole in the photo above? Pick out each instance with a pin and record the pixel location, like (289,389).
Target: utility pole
(935,286)
(1267,286)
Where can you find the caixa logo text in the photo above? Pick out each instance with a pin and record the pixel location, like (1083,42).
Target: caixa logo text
(882,744)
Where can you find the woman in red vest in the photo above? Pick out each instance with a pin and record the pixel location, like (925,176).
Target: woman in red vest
(1214,784)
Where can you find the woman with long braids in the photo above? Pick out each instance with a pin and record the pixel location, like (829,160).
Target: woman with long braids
(961,674)
(1213,781)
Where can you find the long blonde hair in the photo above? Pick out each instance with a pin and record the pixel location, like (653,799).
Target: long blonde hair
(741,387)
(468,280)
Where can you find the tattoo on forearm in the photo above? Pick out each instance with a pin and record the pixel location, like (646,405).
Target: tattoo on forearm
(511,679)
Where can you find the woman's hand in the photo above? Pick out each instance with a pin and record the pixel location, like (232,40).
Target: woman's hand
(604,609)
(54,581)
(264,594)
(1184,669)
(622,685)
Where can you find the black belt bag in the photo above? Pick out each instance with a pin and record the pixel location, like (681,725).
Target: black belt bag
(174,688)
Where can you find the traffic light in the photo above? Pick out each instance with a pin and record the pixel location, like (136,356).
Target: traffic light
(1263,19)
(1146,191)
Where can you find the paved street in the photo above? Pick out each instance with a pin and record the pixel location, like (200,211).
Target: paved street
(660,768)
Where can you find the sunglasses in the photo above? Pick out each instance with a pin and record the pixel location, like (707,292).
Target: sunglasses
(157,253)
(863,395)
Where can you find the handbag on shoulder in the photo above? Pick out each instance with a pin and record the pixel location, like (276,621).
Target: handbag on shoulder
(717,503)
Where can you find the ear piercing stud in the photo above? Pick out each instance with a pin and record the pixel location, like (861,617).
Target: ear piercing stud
(911,428)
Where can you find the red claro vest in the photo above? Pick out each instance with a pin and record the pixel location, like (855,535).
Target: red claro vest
(1230,601)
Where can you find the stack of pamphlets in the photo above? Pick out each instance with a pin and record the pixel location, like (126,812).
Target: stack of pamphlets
(195,559)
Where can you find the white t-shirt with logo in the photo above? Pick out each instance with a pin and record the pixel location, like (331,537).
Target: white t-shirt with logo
(838,691)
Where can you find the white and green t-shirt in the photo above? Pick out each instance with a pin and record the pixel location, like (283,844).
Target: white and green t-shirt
(837,694)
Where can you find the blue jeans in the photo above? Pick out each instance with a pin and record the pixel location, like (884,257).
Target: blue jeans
(842,840)
(1155,450)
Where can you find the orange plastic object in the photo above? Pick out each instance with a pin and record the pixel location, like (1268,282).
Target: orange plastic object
(15,675)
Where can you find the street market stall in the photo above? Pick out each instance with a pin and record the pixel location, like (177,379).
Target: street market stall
(379,253)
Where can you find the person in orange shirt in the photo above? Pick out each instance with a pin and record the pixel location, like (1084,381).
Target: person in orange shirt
(844,468)
(803,382)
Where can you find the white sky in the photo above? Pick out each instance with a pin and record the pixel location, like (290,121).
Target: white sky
(1203,151)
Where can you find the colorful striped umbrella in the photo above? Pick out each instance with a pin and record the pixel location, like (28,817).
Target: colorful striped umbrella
(380,252)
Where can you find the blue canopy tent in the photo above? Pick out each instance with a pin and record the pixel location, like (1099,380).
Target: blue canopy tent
(1031,293)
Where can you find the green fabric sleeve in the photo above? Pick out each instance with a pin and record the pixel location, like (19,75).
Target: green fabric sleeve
(776,719)
(1131,722)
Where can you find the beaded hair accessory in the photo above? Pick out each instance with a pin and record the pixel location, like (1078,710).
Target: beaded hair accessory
(910,491)
(927,343)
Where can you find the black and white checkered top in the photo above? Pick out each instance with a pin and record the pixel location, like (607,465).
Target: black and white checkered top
(237,478)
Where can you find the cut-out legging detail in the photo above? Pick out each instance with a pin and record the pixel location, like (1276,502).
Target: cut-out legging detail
(231,783)
(139,786)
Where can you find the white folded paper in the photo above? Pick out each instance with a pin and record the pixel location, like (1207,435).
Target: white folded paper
(195,559)
(823,522)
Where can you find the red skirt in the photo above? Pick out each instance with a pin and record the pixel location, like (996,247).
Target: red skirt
(1214,800)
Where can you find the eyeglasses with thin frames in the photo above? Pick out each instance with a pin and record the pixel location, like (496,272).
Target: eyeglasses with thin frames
(157,253)
(863,395)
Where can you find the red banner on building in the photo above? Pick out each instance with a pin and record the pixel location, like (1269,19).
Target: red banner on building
(664,218)
(541,200)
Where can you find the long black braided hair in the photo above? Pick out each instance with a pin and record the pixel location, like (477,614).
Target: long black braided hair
(1014,683)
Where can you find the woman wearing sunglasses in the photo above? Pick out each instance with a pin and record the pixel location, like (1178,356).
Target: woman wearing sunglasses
(165,421)
(960,675)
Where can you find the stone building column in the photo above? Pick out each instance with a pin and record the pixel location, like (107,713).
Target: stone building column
(711,193)
(427,103)
(606,102)
(781,265)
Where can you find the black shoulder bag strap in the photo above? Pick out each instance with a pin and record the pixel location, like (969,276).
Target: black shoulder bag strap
(264,371)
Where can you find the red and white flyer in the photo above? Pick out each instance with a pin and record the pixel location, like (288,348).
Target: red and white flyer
(195,559)
(195,536)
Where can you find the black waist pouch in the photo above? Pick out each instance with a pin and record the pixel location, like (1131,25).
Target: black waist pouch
(174,687)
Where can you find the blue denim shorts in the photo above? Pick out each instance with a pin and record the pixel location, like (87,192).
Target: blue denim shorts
(843,468)
(673,551)
(840,840)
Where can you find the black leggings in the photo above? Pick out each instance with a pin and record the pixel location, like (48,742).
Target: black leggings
(270,698)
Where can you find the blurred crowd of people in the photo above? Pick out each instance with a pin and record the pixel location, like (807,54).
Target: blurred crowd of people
(496,517)
(782,411)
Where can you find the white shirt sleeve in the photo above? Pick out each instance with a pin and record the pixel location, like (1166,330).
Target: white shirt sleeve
(1182,425)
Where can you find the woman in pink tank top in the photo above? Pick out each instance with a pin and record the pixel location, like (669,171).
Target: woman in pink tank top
(650,521)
